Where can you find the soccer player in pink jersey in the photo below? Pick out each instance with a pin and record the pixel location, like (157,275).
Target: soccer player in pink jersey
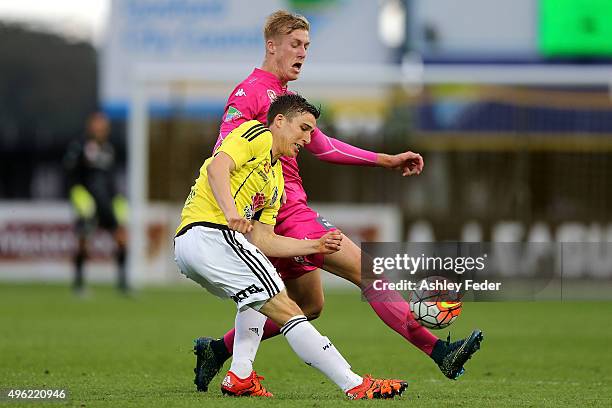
(287,41)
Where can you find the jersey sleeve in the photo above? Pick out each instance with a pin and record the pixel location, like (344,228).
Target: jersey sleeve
(335,151)
(255,142)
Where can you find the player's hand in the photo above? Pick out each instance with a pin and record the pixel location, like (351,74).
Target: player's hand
(239,224)
(330,242)
(409,163)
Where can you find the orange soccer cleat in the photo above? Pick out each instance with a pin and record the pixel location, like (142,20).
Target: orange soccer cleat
(247,387)
(372,388)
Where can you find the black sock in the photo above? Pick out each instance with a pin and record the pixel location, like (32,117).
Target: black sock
(438,352)
(79,280)
(218,347)
(122,284)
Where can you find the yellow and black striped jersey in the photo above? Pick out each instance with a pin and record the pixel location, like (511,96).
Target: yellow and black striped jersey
(256,183)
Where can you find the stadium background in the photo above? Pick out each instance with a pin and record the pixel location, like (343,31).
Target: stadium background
(515,131)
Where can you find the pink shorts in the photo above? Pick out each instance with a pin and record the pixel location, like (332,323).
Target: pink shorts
(307,224)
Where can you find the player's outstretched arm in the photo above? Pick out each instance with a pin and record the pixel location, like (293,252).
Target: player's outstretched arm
(409,163)
(219,171)
(335,151)
(263,237)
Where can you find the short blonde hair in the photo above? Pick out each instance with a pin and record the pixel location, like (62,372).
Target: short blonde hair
(282,22)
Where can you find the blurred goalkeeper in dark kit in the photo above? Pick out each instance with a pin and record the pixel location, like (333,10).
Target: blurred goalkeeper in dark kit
(90,168)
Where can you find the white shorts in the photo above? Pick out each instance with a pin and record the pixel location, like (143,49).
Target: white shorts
(227,265)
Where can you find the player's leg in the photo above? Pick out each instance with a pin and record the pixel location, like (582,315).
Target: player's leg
(214,258)
(303,283)
(304,287)
(83,228)
(306,290)
(250,280)
(313,348)
(248,328)
(109,222)
(79,261)
(318,351)
(394,311)
(120,237)
(389,305)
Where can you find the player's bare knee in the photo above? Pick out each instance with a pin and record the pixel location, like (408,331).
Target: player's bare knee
(313,310)
(281,308)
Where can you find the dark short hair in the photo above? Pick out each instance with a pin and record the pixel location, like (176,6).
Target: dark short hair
(291,105)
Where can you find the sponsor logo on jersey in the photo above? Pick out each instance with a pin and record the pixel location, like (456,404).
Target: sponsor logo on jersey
(245,293)
(254,330)
(258,201)
(232,113)
(271,95)
(240,92)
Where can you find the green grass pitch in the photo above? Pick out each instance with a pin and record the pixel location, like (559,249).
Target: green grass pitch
(136,352)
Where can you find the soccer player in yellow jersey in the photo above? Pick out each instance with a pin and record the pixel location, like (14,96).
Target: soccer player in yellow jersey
(228,221)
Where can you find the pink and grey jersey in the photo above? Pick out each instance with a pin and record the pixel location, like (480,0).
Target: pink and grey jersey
(250,100)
